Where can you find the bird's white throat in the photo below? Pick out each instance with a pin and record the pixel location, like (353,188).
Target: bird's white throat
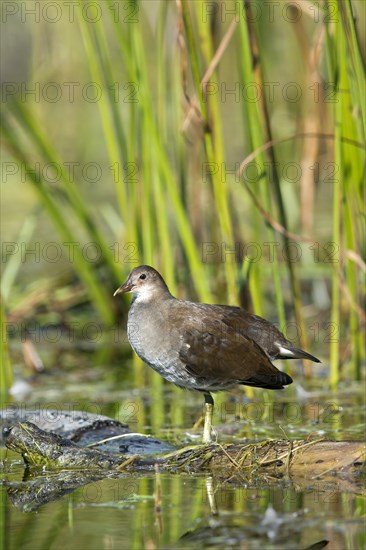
(144,295)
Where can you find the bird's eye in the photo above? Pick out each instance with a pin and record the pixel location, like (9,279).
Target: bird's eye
(143,276)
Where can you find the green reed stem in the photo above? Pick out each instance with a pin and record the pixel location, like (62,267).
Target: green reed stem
(254,123)
(213,141)
(6,371)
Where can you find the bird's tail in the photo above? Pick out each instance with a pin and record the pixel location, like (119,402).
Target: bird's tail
(296,353)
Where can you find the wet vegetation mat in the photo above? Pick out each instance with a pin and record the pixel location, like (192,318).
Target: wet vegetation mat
(301,461)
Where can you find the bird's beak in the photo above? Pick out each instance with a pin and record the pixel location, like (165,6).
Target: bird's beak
(126,287)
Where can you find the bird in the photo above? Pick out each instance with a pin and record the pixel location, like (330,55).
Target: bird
(203,347)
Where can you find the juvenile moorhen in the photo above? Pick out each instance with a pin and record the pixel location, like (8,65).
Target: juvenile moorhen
(203,347)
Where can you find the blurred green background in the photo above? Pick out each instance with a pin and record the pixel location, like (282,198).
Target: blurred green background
(221,142)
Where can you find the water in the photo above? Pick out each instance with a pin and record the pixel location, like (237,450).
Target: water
(159,510)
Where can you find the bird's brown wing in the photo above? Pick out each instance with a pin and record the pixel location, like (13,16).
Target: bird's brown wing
(212,350)
(264,333)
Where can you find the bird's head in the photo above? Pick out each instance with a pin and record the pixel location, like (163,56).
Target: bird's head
(145,283)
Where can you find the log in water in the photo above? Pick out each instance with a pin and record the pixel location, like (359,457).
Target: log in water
(302,458)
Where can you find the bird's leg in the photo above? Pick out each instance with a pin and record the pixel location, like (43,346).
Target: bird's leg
(209,406)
